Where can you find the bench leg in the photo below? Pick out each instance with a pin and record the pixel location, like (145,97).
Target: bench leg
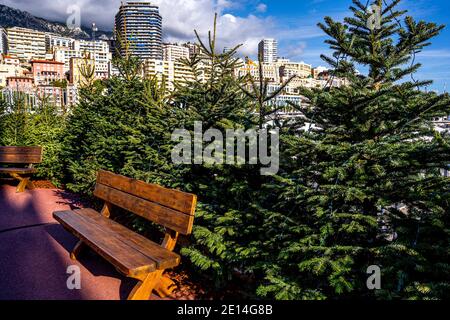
(144,288)
(165,287)
(24,183)
(77,250)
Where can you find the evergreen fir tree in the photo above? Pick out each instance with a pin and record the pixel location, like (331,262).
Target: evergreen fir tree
(363,186)
(15,116)
(228,217)
(41,124)
(117,125)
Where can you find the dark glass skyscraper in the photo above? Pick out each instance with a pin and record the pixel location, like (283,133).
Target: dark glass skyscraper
(138,28)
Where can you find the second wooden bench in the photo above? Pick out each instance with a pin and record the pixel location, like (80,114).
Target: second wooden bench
(20,163)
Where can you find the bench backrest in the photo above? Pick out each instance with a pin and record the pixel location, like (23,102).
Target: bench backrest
(21,155)
(172,209)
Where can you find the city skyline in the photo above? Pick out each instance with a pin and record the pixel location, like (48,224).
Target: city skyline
(291,23)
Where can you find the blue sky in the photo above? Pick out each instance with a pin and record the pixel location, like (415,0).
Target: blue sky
(306,41)
(292,22)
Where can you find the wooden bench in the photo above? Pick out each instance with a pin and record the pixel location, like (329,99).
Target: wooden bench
(131,254)
(20,161)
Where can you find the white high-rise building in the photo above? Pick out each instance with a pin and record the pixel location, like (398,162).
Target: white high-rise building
(26,44)
(64,54)
(98,51)
(53,40)
(174,52)
(91,46)
(138,27)
(268,49)
(193,48)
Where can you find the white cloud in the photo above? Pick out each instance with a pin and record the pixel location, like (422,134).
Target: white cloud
(262,7)
(199,15)
(180,18)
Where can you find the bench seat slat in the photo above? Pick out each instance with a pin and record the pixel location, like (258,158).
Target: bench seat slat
(164,258)
(18,170)
(106,244)
(130,253)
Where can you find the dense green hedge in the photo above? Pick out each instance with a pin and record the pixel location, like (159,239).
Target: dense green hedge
(42,125)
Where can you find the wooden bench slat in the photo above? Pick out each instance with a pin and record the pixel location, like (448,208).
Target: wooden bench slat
(21,155)
(174,199)
(164,258)
(20,158)
(18,170)
(127,260)
(164,216)
(21,150)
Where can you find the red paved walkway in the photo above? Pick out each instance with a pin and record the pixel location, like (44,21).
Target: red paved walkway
(34,252)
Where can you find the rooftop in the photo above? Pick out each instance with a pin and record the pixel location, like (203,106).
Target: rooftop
(47,61)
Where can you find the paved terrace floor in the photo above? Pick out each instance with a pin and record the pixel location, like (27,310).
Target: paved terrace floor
(34,252)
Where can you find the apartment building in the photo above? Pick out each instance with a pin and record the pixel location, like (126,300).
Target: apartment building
(53,41)
(193,48)
(9,67)
(307,83)
(20,83)
(170,71)
(26,44)
(6,71)
(82,70)
(298,69)
(45,72)
(91,46)
(99,51)
(96,50)
(51,94)
(138,27)
(269,71)
(9,60)
(268,50)
(174,52)
(316,72)
(64,54)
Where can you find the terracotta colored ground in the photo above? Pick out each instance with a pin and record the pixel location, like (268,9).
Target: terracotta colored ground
(34,253)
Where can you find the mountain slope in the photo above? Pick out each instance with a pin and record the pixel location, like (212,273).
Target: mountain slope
(10,17)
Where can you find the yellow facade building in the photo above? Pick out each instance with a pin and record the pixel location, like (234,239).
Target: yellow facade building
(82,71)
(171,71)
